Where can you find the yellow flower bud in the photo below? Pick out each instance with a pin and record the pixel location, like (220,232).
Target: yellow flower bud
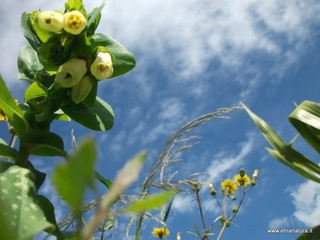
(70,73)
(50,21)
(82,90)
(74,22)
(254,177)
(102,67)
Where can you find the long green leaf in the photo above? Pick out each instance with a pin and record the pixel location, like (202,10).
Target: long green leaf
(285,153)
(267,131)
(72,179)
(306,119)
(13,112)
(151,203)
(297,167)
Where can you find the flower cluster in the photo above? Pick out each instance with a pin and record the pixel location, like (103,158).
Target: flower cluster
(160,232)
(229,186)
(80,71)
(73,22)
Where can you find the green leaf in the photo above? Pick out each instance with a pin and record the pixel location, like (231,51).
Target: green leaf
(312,234)
(298,163)
(98,118)
(94,19)
(42,143)
(28,63)
(13,112)
(101,179)
(28,31)
(285,153)
(267,131)
(72,179)
(48,210)
(35,90)
(124,60)
(52,54)
(128,174)
(8,152)
(23,216)
(150,203)
(91,98)
(74,5)
(3,142)
(306,119)
(167,210)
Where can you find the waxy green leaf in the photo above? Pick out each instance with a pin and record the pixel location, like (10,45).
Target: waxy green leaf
(28,31)
(42,143)
(20,210)
(35,90)
(99,118)
(28,64)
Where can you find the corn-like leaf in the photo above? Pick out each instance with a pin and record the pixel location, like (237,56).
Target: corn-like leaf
(285,153)
(306,119)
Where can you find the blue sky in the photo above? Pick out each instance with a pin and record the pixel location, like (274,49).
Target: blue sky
(194,57)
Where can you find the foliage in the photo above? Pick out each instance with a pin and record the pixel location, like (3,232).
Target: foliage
(306,120)
(64,64)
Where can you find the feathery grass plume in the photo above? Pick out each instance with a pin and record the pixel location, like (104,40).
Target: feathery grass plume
(171,148)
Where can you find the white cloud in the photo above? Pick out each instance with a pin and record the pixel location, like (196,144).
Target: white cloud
(183,203)
(306,200)
(225,160)
(278,223)
(183,39)
(171,116)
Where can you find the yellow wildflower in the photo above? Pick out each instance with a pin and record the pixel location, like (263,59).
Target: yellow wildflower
(160,232)
(242,180)
(3,116)
(229,187)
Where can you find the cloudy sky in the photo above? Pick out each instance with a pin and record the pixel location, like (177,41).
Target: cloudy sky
(194,57)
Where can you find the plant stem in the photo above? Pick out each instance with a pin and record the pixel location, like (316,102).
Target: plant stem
(222,229)
(201,214)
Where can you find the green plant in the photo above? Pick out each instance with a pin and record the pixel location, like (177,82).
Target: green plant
(306,120)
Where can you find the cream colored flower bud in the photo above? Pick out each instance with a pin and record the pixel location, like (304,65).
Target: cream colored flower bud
(70,73)
(74,22)
(81,90)
(102,67)
(50,21)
